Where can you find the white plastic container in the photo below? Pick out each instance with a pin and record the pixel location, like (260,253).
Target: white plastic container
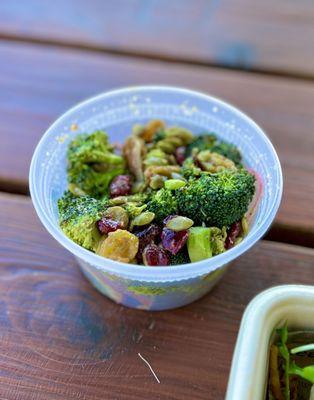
(267,311)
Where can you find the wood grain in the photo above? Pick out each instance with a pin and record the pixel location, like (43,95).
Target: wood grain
(258,35)
(38,84)
(61,339)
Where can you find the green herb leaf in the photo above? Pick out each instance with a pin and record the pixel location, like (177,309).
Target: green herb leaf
(306,373)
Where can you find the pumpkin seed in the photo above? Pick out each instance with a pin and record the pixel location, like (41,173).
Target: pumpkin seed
(175,141)
(238,240)
(155,161)
(143,219)
(119,200)
(245,226)
(118,214)
(165,146)
(157,181)
(179,223)
(134,198)
(172,160)
(173,184)
(138,187)
(185,135)
(175,175)
(74,189)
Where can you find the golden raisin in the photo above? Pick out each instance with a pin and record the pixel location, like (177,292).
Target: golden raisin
(151,129)
(120,245)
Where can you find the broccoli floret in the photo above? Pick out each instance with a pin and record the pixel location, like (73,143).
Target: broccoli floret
(162,203)
(228,150)
(199,243)
(180,258)
(217,199)
(78,216)
(201,142)
(92,164)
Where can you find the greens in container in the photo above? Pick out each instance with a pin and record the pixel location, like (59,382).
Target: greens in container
(291,366)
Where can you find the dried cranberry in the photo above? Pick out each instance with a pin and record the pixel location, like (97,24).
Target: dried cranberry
(121,185)
(148,233)
(232,234)
(146,236)
(167,219)
(173,241)
(154,255)
(180,154)
(106,225)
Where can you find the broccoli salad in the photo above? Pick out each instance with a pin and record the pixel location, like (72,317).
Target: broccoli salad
(164,197)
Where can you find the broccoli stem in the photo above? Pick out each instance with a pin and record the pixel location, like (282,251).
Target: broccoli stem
(199,243)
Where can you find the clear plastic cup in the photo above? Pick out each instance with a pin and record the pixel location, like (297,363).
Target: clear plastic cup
(153,288)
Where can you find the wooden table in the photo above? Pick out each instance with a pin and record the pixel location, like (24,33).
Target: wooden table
(61,339)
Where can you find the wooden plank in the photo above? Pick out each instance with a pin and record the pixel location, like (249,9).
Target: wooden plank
(256,35)
(61,339)
(38,84)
